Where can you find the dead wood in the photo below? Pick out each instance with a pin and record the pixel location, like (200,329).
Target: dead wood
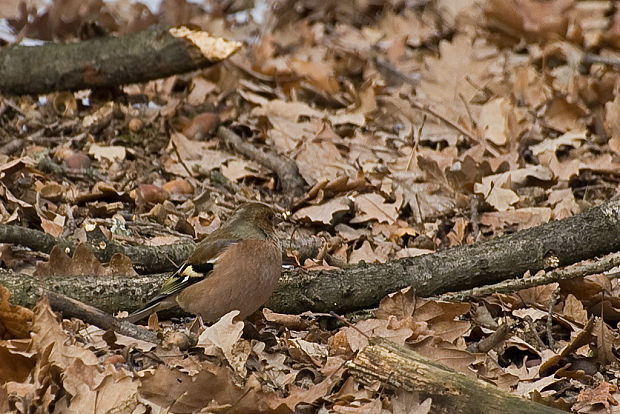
(109,61)
(147,259)
(152,259)
(590,234)
(71,308)
(291,181)
(452,392)
(543,278)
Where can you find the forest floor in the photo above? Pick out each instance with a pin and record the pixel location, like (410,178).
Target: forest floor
(416,126)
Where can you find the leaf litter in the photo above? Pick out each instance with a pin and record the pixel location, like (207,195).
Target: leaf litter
(399,116)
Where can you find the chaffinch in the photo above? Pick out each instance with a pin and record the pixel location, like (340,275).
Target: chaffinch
(235,267)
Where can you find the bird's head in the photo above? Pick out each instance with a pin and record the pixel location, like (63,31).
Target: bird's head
(258,215)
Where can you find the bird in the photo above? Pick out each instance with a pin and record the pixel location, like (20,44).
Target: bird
(236,267)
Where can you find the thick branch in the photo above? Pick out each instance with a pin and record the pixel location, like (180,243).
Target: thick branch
(593,233)
(452,392)
(152,259)
(149,259)
(109,61)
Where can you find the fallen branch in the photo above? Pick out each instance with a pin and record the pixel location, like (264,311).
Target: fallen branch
(452,392)
(71,308)
(590,58)
(570,272)
(286,170)
(109,61)
(152,259)
(587,235)
(149,259)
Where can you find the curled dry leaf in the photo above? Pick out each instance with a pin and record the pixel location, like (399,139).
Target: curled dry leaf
(237,169)
(600,395)
(497,189)
(64,104)
(202,126)
(373,207)
(47,331)
(196,155)
(365,253)
(320,160)
(212,47)
(522,218)
(530,18)
(100,118)
(153,194)
(179,392)
(498,122)
(83,262)
(572,138)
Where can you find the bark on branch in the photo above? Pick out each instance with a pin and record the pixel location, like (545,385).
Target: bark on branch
(592,233)
(452,392)
(147,259)
(109,61)
(71,308)
(153,259)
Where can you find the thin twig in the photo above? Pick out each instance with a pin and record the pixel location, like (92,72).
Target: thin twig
(349,324)
(530,323)
(570,272)
(589,58)
(474,217)
(466,105)
(447,121)
(554,299)
(176,150)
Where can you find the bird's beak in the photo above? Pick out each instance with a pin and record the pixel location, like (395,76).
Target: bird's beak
(278,218)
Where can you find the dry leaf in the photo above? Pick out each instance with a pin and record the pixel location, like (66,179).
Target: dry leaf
(225,335)
(324,213)
(14,320)
(373,207)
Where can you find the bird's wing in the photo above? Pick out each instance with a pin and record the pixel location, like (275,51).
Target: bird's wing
(197,267)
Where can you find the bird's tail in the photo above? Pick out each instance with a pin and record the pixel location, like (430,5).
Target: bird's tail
(157,304)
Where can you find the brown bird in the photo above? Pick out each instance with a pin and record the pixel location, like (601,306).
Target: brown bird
(235,267)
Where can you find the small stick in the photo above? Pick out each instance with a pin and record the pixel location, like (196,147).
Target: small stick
(491,341)
(471,118)
(176,150)
(554,299)
(450,123)
(530,322)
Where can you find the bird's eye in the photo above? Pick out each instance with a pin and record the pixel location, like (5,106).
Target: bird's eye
(275,219)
